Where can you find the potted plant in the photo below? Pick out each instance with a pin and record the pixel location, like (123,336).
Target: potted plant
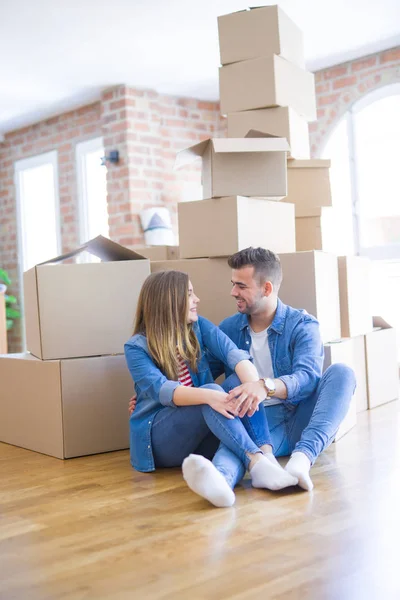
(12,311)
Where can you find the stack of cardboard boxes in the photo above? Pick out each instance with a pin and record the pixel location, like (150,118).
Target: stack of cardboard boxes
(67,396)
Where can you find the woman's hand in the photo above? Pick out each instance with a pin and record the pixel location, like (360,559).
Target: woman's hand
(247,397)
(222,403)
(132,405)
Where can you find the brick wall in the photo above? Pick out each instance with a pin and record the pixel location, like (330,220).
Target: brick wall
(339,87)
(147,129)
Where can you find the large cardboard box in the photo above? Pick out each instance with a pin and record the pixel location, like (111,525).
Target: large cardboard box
(382,365)
(280,121)
(266,82)
(250,166)
(309,185)
(257,32)
(354,289)
(311,282)
(312,233)
(159,252)
(3,325)
(223,226)
(86,309)
(211,279)
(65,408)
(350,351)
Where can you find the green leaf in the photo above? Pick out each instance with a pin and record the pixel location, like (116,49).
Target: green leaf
(10,299)
(11,313)
(9,324)
(5,277)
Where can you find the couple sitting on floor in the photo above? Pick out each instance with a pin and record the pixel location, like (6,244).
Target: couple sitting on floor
(273,402)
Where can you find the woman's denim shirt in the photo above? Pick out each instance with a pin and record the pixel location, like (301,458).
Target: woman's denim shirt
(154,391)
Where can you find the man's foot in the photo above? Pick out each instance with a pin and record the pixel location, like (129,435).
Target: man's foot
(204,479)
(265,474)
(299,466)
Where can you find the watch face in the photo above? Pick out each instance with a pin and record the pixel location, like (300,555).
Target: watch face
(270,385)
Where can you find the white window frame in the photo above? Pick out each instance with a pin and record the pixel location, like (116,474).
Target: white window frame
(20,166)
(81,149)
(391,251)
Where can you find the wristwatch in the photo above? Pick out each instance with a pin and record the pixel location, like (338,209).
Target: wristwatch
(269,386)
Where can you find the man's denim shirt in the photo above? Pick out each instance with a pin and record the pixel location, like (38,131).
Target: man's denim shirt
(297,352)
(154,391)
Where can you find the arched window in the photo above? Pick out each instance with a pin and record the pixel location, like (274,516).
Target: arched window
(365,152)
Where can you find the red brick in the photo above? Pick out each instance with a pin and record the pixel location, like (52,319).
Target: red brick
(390,56)
(335,72)
(344,82)
(323,88)
(326,100)
(363,63)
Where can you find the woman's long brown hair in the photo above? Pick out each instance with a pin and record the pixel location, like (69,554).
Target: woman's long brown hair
(161,316)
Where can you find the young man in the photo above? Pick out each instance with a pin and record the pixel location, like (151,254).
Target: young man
(304,408)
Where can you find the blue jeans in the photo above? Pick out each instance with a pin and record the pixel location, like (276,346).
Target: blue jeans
(308,427)
(176,432)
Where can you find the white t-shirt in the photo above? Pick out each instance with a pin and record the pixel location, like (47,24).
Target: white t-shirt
(261,354)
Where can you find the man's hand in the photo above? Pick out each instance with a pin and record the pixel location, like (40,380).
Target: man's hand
(222,403)
(132,405)
(247,397)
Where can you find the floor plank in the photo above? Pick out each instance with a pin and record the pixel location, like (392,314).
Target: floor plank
(93,528)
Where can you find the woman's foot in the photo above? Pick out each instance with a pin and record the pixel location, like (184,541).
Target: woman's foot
(299,466)
(204,479)
(265,474)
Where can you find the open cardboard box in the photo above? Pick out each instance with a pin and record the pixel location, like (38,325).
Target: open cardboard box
(259,31)
(87,309)
(250,166)
(309,185)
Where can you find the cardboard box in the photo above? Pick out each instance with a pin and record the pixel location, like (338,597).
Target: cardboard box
(159,252)
(280,121)
(354,289)
(312,232)
(87,309)
(382,365)
(65,408)
(309,185)
(223,226)
(211,279)
(351,351)
(250,166)
(311,282)
(266,82)
(257,32)
(3,325)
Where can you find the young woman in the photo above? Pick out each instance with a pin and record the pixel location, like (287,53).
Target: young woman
(178,403)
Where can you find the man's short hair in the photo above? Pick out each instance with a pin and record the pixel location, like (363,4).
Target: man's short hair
(267,265)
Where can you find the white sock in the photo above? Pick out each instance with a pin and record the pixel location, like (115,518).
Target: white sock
(265,474)
(299,466)
(272,459)
(204,479)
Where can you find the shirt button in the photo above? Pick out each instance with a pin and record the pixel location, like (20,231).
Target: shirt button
(247,342)
(149,447)
(149,422)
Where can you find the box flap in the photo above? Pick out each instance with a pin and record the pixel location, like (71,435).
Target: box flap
(309,164)
(189,155)
(263,143)
(381,323)
(103,248)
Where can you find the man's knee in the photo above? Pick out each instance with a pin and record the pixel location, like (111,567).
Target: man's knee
(339,372)
(231,382)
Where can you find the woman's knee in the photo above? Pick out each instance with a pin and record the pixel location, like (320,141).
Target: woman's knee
(231,382)
(212,386)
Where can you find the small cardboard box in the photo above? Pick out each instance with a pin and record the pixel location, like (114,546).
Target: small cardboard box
(250,166)
(65,408)
(280,121)
(3,325)
(257,32)
(309,185)
(354,289)
(223,226)
(211,279)
(267,82)
(311,281)
(350,351)
(159,252)
(382,365)
(74,310)
(312,233)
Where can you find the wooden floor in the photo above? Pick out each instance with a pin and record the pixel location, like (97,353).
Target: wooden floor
(94,528)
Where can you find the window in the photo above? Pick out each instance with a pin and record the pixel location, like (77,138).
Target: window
(36,181)
(92,190)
